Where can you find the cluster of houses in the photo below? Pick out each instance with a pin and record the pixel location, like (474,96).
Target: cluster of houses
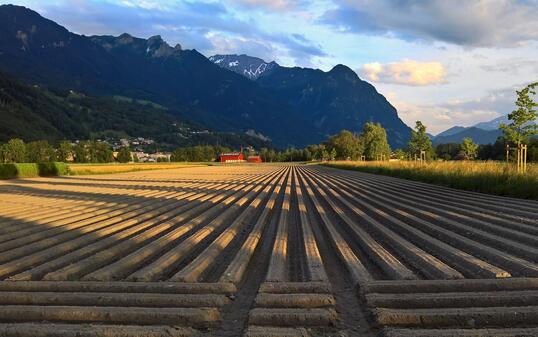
(138,148)
(144,157)
(229,157)
(137,143)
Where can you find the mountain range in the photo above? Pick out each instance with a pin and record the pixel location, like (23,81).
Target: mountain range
(37,113)
(228,93)
(481,133)
(457,133)
(493,124)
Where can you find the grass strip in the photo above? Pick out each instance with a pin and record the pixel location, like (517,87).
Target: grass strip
(30,170)
(484,177)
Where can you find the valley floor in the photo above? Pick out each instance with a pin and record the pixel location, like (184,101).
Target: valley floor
(263,250)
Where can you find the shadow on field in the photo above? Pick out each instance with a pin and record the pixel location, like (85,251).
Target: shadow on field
(57,241)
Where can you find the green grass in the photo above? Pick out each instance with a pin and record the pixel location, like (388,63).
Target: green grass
(486,177)
(30,170)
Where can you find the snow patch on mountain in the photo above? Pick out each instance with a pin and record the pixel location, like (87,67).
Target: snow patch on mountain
(248,66)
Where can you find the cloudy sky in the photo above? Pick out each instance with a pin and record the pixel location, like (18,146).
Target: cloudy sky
(446,63)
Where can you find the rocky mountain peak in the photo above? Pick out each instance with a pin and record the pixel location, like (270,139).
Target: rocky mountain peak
(248,66)
(341,69)
(125,39)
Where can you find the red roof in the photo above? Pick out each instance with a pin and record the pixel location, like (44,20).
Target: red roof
(255,159)
(231,157)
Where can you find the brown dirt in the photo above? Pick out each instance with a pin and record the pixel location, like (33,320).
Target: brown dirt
(356,252)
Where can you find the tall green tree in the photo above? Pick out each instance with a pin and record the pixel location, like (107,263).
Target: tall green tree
(447,151)
(522,127)
(16,151)
(80,152)
(495,151)
(400,154)
(4,157)
(272,156)
(99,152)
(40,152)
(346,145)
(124,155)
(533,150)
(307,155)
(208,153)
(64,152)
(468,148)
(420,141)
(374,138)
(317,151)
(264,154)
(178,155)
(197,153)
(332,154)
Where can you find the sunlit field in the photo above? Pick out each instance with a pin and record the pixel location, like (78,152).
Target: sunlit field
(262,251)
(83,169)
(487,177)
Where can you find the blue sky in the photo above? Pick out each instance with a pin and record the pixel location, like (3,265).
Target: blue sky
(446,63)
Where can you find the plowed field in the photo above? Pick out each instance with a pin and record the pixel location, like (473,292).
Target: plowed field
(266,250)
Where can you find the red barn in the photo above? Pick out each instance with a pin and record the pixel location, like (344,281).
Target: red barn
(255,159)
(232,157)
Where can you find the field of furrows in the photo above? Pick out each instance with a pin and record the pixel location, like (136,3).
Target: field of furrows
(260,251)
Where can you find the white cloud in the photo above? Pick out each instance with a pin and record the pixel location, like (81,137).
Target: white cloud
(440,116)
(143,4)
(278,5)
(223,44)
(514,65)
(407,72)
(493,23)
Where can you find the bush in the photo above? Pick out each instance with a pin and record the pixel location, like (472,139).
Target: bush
(52,169)
(29,170)
(124,155)
(8,171)
(19,170)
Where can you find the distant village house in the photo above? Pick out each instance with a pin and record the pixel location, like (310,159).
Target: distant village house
(232,157)
(254,159)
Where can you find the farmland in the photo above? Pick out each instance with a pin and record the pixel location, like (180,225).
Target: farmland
(86,169)
(266,250)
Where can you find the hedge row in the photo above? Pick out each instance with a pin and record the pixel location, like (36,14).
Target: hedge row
(28,170)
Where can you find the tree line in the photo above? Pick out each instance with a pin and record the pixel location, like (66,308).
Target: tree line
(41,151)
(371,143)
(199,153)
(495,151)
